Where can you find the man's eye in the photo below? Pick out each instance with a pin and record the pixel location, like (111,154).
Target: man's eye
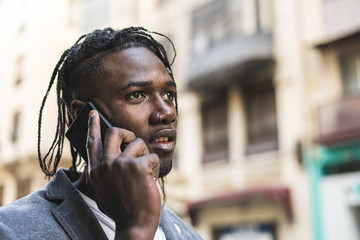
(136,95)
(170,95)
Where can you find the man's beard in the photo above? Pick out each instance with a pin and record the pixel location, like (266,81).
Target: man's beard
(165,167)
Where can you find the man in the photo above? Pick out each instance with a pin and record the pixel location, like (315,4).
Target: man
(127,75)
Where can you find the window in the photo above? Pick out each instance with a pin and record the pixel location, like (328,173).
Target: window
(23,188)
(20,69)
(260,118)
(16,125)
(214,122)
(214,22)
(350,71)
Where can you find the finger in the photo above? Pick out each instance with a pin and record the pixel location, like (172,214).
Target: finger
(153,163)
(136,148)
(114,137)
(93,144)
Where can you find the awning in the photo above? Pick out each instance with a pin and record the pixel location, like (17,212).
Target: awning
(231,61)
(279,195)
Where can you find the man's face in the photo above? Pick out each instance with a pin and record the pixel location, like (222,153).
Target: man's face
(138,95)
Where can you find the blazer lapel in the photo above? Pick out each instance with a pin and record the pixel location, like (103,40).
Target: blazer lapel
(72,212)
(77,220)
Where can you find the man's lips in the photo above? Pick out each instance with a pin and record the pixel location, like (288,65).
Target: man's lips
(164,140)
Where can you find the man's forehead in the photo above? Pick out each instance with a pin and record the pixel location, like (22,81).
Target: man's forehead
(135,57)
(135,65)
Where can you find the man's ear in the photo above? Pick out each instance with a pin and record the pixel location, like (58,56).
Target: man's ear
(75,108)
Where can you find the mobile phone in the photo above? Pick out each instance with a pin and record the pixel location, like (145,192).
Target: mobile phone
(77,132)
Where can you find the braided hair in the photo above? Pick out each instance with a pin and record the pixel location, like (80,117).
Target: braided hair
(83,62)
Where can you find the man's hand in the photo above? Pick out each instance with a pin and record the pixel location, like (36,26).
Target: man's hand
(124,182)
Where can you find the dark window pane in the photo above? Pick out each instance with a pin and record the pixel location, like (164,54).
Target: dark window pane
(350,71)
(261,119)
(16,125)
(214,119)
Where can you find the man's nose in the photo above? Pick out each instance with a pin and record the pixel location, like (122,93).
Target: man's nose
(163,112)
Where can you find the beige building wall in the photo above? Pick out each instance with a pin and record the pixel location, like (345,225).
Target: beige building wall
(33,36)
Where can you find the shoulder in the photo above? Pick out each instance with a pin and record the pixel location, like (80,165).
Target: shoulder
(6,233)
(33,216)
(24,214)
(42,201)
(25,205)
(32,204)
(174,225)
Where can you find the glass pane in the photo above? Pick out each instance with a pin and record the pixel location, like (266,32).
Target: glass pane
(350,70)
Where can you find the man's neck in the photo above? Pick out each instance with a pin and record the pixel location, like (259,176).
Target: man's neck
(83,185)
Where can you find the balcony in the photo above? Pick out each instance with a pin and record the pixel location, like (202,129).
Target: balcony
(339,122)
(341,18)
(235,60)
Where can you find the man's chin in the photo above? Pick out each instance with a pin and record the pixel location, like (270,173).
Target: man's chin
(165,167)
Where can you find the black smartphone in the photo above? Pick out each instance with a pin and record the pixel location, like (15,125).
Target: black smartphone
(77,132)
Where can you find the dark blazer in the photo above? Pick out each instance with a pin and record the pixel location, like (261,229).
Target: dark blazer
(59,212)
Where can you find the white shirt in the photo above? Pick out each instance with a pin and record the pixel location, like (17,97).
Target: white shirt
(108,224)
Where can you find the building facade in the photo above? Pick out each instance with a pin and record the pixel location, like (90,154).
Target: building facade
(245,74)
(33,36)
(332,157)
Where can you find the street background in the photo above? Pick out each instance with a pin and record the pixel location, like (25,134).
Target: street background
(268,141)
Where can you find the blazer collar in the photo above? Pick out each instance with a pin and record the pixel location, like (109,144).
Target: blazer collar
(59,186)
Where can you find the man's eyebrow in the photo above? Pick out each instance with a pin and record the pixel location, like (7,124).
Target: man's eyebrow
(171,83)
(135,84)
(145,83)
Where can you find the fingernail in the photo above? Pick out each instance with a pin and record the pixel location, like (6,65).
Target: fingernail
(91,118)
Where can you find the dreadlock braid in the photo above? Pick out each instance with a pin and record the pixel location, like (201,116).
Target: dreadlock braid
(80,63)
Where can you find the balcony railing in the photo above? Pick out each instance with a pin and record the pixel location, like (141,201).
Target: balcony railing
(339,122)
